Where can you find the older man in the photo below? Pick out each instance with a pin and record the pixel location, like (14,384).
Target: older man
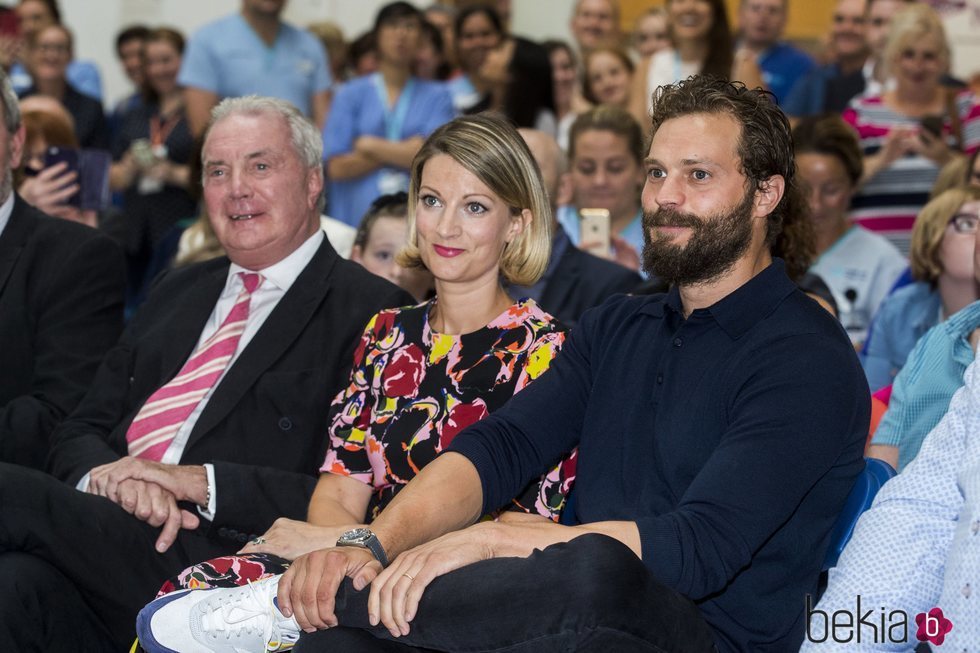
(761,24)
(594,23)
(254,51)
(710,469)
(206,422)
(61,293)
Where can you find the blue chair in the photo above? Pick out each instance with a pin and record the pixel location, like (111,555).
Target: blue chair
(876,473)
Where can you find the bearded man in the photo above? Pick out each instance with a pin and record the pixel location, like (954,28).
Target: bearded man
(719,428)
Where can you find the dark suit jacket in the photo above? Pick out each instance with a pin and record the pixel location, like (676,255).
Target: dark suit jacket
(582,281)
(265,426)
(61,293)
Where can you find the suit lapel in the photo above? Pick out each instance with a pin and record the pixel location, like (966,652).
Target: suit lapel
(187,320)
(562,281)
(277,334)
(13,238)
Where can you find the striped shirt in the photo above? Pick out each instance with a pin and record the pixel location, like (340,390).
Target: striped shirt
(889,202)
(923,388)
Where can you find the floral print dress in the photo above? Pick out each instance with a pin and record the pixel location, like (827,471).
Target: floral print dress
(412,390)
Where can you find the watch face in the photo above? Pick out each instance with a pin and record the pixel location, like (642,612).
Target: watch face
(357,537)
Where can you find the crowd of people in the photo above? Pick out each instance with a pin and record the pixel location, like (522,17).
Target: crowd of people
(446,339)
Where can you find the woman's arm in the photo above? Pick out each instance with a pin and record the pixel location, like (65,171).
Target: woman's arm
(393,153)
(338,505)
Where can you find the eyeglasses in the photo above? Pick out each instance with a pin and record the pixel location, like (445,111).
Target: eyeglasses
(965,223)
(53,48)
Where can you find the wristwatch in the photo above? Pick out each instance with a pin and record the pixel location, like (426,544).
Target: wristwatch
(365,539)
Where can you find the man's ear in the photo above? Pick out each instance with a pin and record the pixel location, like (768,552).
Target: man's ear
(767,196)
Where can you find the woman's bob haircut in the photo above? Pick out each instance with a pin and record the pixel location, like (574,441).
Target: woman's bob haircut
(489,146)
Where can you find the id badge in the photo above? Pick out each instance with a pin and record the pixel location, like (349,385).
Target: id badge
(392,181)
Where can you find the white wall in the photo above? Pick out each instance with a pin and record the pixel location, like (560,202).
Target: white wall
(95,23)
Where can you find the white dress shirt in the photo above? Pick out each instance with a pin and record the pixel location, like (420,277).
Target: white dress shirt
(5,210)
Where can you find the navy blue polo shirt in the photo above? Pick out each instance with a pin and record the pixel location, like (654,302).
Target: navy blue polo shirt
(731,438)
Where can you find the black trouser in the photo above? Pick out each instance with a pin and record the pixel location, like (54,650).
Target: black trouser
(590,594)
(86,551)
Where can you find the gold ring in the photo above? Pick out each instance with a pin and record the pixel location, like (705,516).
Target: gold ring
(410,577)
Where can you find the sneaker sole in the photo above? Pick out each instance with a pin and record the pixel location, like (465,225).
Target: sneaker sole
(143,631)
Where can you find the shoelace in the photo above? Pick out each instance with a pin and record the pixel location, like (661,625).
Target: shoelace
(255,614)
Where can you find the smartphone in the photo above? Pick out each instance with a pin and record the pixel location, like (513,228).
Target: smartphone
(933,125)
(55,155)
(595,231)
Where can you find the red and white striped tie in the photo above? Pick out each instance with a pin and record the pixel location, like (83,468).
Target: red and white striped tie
(160,418)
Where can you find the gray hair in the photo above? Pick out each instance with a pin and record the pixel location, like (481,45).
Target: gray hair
(11,108)
(305,136)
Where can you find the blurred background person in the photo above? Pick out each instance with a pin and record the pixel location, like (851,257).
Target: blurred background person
(650,33)
(518,72)
(332,39)
(129,51)
(574,280)
(443,17)
(377,123)
(702,43)
(607,76)
(911,130)
(430,61)
(49,187)
(606,153)
(564,77)
(383,232)
(859,266)
(49,51)
(941,259)
(362,55)
(478,31)
(151,157)
(595,23)
(253,51)
(761,24)
(34,15)
(829,87)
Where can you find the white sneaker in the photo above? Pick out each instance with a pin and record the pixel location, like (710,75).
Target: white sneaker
(219,620)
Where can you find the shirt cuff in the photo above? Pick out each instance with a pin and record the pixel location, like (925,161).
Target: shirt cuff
(208,513)
(82,485)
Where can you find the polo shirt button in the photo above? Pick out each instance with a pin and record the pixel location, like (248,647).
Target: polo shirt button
(242,537)
(678,342)
(285,423)
(660,378)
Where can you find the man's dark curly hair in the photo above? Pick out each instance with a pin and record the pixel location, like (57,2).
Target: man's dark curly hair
(765,147)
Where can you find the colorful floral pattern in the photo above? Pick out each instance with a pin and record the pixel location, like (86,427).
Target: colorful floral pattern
(413,390)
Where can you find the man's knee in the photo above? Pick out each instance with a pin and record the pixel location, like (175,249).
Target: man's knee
(598,569)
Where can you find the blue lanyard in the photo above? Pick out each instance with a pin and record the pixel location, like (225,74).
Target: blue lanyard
(394,119)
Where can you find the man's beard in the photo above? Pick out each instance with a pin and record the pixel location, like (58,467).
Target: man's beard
(715,243)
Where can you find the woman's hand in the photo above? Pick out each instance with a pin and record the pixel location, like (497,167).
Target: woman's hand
(396,592)
(51,188)
(289,539)
(624,253)
(932,147)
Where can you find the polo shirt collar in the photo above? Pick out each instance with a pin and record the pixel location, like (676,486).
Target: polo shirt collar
(740,310)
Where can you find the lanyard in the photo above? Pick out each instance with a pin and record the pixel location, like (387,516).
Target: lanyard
(160,129)
(394,119)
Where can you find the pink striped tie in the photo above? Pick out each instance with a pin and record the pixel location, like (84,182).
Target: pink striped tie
(157,423)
